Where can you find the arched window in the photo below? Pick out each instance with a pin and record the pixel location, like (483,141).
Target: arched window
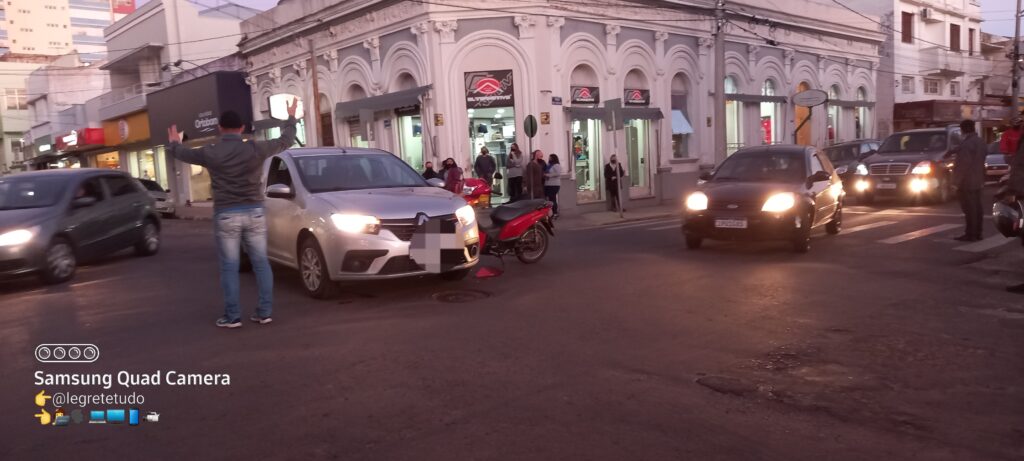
(326,121)
(356,132)
(862,122)
(834,112)
(584,90)
(771,118)
(681,126)
(733,118)
(638,133)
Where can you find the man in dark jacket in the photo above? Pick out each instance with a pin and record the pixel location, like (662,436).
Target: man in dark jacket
(485,166)
(534,176)
(611,182)
(235,167)
(969,178)
(1015,190)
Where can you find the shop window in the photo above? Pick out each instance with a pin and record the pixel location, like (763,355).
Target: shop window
(733,119)
(638,152)
(148,164)
(410,138)
(110,161)
(770,118)
(586,148)
(682,129)
(495,129)
(834,112)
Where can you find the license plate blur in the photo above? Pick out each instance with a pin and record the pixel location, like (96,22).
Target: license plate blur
(886,185)
(731,223)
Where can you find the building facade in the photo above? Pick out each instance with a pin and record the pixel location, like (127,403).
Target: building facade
(428,82)
(57,27)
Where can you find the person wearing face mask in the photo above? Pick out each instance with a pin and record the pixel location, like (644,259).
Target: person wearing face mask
(534,179)
(515,172)
(452,176)
(612,173)
(428,172)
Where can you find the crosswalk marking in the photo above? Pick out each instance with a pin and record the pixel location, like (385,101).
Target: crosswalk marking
(639,224)
(864,227)
(919,233)
(673,226)
(985,245)
(904,213)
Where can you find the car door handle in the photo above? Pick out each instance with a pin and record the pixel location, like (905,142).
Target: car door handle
(136,204)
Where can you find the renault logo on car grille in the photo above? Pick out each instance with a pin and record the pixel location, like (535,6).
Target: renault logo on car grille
(421,219)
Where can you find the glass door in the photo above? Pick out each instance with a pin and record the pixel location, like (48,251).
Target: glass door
(638,154)
(586,156)
(495,129)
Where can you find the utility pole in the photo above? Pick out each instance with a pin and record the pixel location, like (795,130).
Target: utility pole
(719,113)
(316,94)
(1015,62)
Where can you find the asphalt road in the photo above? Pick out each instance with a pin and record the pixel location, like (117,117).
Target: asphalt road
(881,343)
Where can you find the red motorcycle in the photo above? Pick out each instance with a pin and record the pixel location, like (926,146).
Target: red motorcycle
(521,228)
(476,192)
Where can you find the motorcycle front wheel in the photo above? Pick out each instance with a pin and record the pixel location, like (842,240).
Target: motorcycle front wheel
(532,246)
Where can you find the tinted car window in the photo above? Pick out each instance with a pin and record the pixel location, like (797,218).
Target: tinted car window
(278,173)
(90,188)
(324,173)
(120,185)
(914,142)
(763,166)
(151,185)
(32,192)
(842,154)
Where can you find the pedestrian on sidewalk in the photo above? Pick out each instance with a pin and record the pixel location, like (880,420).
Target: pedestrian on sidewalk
(1014,191)
(534,178)
(553,181)
(611,182)
(515,172)
(485,166)
(428,171)
(235,170)
(452,176)
(969,178)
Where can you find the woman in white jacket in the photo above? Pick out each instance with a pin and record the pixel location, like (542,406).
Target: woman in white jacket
(553,181)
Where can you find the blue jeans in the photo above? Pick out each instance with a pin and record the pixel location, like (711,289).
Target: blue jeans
(235,227)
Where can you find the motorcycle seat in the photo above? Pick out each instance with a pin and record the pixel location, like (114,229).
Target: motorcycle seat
(511,211)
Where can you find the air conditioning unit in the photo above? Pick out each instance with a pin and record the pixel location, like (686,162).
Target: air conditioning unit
(926,13)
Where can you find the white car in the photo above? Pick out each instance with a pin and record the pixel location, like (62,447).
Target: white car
(343,214)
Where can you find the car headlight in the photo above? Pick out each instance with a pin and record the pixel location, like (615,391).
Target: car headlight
(16,237)
(922,168)
(862,170)
(697,201)
(466,215)
(779,202)
(356,224)
(842,170)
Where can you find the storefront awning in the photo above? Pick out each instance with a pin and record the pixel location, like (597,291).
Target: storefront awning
(585,113)
(390,101)
(642,113)
(680,125)
(841,103)
(755,98)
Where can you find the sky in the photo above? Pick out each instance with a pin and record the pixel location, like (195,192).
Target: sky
(998,14)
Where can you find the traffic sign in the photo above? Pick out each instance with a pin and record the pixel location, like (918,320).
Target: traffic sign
(530,126)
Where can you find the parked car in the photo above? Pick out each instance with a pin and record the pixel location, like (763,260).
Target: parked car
(996,167)
(162,197)
(52,219)
(914,164)
(848,160)
(350,214)
(778,192)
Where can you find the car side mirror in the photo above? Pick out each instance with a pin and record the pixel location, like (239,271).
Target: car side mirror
(705,176)
(167,190)
(819,177)
(435,182)
(280,191)
(83,202)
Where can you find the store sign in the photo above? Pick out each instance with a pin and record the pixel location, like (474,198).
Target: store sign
(556,100)
(206,122)
(80,138)
(195,106)
(130,129)
(44,148)
(634,97)
(585,94)
(123,6)
(71,139)
(545,118)
(489,89)
(438,119)
(123,129)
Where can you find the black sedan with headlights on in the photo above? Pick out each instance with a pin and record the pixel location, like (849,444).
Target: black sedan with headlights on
(778,192)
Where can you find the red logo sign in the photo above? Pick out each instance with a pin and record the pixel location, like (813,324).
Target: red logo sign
(488,85)
(489,89)
(635,95)
(585,92)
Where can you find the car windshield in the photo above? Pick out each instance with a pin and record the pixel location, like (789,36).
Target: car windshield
(786,167)
(151,186)
(843,154)
(30,192)
(325,173)
(913,142)
(995,159)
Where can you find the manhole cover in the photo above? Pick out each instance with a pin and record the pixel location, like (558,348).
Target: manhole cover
(460,296)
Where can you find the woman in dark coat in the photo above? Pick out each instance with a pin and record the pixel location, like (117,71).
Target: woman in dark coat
(533,179)
(452,176)
(611,182)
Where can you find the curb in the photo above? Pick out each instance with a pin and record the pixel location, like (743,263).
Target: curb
(625,221)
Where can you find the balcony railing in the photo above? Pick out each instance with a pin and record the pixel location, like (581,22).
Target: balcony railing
(940,62)
(123,101)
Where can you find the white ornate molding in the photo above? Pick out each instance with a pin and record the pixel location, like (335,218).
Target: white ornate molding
(752,51)
(301,66)
(275,75)
(252,81)
(660,36)
(611,34)
(420,28)
(787,57)
(373,44)
(525,24)
(332,59)
(446,29)
(704,45)
(556,22)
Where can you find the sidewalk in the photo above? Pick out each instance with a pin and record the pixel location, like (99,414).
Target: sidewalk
(194,213)
(607,218)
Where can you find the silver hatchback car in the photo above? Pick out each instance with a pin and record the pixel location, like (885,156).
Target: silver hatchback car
(343,214)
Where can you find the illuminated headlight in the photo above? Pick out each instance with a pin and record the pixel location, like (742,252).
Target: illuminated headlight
(779,203)
(836,189)
(697,201)
(922,168)
(472,234)
(466,215)
(842,170)
(861,185)
(862,170)
(356,224)
(918,185)
(16,237)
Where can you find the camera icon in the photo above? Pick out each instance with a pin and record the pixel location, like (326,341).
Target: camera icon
(67,353)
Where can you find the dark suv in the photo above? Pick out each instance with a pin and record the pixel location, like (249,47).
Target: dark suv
(915,164)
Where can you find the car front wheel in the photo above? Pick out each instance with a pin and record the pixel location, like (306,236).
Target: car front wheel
(836,224)
(60,262)
(149,242)
(313,268)
(693,242)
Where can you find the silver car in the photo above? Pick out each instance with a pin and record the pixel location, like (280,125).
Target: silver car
(162,197)
(351,214)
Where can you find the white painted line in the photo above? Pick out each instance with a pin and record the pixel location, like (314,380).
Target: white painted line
(905,213)
(987,244)
(865,227)
(920,233)
(674,226)
(638,224)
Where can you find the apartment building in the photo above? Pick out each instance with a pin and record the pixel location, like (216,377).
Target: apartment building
(58,27)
